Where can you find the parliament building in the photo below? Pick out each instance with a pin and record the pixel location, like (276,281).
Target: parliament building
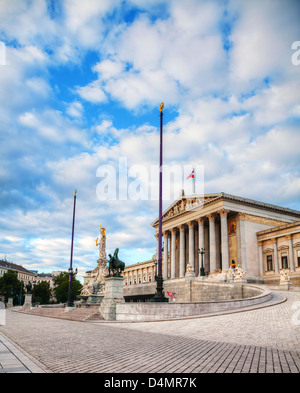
(260,238)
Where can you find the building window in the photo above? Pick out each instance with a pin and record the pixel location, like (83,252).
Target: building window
(284,262)
(269,263)
(298,257)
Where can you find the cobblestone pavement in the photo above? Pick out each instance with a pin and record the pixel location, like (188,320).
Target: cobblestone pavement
(12,360)
(265,340)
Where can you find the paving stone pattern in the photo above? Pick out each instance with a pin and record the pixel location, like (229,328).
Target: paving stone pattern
(265,340)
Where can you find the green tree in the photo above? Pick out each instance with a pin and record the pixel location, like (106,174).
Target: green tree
(41,293)
(61,287)
(10,286)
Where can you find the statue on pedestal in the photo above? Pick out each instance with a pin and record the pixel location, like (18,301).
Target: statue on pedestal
(236,273)
(115,265)
(28,287)
(284,276)
(95,286)
(101,242)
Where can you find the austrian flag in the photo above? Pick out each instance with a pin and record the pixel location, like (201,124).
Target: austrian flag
(171,295)
(192,175)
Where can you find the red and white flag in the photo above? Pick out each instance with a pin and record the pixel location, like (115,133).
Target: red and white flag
(171,295)
(192,175)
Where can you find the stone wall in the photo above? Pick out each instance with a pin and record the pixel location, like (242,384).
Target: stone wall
(199,291)
(161,311)
(194,290)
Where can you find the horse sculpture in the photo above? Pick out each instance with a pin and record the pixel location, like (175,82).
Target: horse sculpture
(115,266)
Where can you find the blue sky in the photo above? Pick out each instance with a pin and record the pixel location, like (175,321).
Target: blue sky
(80,86)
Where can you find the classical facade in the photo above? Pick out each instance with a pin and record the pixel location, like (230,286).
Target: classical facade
(140,273)
(279,249)
(259,237)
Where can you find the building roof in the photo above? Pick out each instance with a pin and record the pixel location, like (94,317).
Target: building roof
(139,264)
(47,275)
(208,199)
(278,228)
(13,266)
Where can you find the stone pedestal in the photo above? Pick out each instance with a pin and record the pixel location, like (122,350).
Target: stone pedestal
(286,285)
(28,300)
(10,302)
(2,314)
(240,280)
(113,295)
(190,273)
(95,299)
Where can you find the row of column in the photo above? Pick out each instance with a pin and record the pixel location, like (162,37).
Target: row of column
(191,244)
(147,273)
(276,259)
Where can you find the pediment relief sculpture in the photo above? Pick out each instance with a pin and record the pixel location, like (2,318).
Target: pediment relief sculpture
(182,206)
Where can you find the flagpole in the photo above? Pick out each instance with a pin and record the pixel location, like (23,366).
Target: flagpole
(70,299)
(159,295)
(194,182)
(160,193)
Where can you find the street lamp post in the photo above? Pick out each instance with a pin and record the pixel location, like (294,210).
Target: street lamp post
(155,269)
(21,293)
(202,252)
(72,273)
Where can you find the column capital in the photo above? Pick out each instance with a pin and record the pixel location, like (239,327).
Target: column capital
(211,217)
(165,233)
(223,212)
(156,235)
(200,220)
(260,243)
(191,224)
(289,237)
(182,227)
(173,230)
(274,240)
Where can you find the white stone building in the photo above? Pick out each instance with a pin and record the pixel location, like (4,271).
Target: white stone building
(229,228)
(23,274)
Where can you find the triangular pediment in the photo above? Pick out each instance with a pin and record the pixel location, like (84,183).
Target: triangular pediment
(193,202)
(185,204)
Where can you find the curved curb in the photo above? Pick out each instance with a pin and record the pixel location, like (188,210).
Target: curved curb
(268,303)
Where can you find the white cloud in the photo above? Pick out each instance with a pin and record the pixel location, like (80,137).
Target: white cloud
(167,59)
(39,86)
(237,113)
(262,36)
(78,171)
(93,92)
(109,69)
(275,104)
(83,19)
(53,126)
(135,89)
(75,109)
(27,21)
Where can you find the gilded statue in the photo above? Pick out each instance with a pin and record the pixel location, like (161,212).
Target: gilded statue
(101,243)
(95,285)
